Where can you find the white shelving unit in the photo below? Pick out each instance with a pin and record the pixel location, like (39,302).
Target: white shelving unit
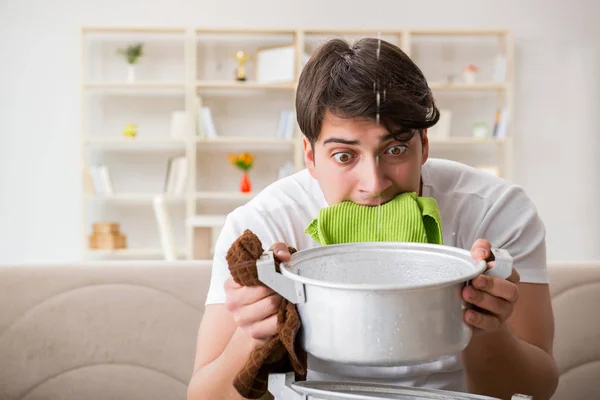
(181,66)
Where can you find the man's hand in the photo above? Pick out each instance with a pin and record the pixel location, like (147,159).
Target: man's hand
(493,297)
(255,308)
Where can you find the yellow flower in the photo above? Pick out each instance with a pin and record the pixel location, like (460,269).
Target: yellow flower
(247,158)
(243,161)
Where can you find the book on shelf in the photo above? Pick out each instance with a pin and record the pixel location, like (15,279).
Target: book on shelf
(177,176)
(501,123)
(101,181)
(205,126)
(286,125)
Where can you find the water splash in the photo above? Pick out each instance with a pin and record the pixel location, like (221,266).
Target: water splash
(378,105)
(378,200)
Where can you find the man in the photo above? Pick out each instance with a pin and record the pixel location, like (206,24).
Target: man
(368,151)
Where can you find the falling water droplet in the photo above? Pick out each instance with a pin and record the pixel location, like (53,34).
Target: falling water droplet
(378,201)
(378,102)
(377,87)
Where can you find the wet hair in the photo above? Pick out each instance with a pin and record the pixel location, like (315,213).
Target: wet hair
(343,79)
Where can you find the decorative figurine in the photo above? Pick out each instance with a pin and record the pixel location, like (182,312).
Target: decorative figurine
(241,59)
(130,130)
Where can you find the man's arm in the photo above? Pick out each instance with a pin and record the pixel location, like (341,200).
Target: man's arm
(517,357)
(221,352)
(229,333)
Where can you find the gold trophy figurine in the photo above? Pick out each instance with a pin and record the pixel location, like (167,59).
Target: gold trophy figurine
(241,59)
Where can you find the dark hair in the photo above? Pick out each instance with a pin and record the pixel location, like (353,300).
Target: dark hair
(344,79)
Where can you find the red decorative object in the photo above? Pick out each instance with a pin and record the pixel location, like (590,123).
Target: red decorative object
(245,184)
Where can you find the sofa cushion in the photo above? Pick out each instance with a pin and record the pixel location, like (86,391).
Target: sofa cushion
(575,289)
(101,330)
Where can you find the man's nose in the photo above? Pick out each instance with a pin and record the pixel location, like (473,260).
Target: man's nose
(374,181)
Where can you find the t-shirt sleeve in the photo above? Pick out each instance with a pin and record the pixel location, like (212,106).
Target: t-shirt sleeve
(236,222)
(513,224)
(220,270)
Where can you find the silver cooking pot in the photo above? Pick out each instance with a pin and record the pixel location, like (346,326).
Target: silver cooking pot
(380,303)
(284,387)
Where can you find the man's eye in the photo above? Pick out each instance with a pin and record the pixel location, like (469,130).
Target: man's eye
(397,150)
(342,157)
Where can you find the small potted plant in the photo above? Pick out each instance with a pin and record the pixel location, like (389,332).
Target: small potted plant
(244,162)
(470,73)
(132,54)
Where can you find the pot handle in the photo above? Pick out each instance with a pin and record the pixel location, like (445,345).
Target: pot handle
(267,274)
(503,264)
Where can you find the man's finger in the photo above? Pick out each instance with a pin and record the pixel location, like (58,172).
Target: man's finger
(253,295)
(487,302)
(497,287)
(259,310)
(481,249)
(264,329)
(514,276)
(485,322)
(280,250)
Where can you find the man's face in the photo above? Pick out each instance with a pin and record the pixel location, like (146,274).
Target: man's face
(358,160)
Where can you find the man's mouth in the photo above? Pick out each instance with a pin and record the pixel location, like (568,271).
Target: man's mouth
(373,203)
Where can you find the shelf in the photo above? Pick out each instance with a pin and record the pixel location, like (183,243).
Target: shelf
(245,31)
(132,198)
(132,29)
(467,86)
(135,85)
(458,32)
(224,196)
(134,252)
(248,143)
(247,85)
(348,32)
(136,144)
(195,66)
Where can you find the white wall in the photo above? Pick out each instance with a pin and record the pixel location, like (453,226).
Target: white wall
(558,95)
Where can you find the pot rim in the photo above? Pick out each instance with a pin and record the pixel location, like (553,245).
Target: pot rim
(479,266)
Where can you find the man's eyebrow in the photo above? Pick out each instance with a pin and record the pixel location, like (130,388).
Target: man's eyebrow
(401,135)
(342,141)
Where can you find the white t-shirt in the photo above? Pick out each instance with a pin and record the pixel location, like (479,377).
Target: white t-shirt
(473,204)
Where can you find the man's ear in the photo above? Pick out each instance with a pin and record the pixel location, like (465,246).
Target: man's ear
(309,156)
(425,146)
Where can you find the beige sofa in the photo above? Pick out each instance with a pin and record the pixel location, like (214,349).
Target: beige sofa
(127,330)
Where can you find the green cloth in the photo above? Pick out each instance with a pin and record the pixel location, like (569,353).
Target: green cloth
(406,218)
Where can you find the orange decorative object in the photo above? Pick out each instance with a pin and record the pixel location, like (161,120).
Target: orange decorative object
(245,184)
(243,161)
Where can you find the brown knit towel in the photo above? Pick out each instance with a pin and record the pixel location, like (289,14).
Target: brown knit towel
(281,353)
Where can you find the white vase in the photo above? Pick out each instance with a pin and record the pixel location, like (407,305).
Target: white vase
(131,74)
(469,77)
